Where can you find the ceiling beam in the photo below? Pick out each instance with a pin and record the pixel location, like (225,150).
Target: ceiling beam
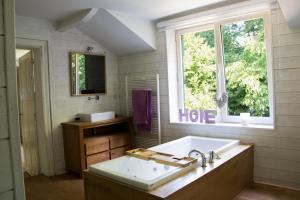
(76,19)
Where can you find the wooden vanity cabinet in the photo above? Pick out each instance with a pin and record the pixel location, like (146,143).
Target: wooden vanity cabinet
(95,145)
(87,143)
(96,158)
(115,153)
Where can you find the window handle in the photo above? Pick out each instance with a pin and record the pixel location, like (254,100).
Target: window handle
(222,100)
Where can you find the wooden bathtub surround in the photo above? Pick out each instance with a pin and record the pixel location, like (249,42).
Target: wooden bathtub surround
(221,180)
(87,143)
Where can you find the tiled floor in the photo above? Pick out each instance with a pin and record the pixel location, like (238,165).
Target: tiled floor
(69,187)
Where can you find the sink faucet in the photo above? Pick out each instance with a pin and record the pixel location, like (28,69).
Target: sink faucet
(203,163)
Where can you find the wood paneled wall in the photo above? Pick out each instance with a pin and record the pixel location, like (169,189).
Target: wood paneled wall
(11,179)
(277,152)
(1,18)
(63,106)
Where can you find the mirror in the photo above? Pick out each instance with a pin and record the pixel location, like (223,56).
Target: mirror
(87,74)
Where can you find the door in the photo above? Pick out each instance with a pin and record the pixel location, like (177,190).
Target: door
(27,113)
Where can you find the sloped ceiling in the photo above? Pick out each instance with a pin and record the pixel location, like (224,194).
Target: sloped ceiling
(142,28)
(291,11)
(117,36)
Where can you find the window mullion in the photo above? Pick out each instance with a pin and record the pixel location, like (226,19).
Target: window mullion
(220,70)
(180,70)
(268,42)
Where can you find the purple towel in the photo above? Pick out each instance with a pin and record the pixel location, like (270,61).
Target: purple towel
(142,109)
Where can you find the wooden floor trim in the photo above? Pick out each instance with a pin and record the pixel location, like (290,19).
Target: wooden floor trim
(275,187)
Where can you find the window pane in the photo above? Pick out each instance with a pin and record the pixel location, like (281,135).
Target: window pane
(199,63)
(246,68)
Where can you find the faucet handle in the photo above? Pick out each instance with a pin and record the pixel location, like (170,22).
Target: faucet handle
(213,156)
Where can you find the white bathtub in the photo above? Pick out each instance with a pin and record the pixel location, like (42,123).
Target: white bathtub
(183,146)
(148,175)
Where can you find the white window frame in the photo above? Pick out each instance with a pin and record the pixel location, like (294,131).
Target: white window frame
(222,115)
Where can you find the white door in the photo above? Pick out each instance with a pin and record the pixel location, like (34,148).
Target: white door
(27,114)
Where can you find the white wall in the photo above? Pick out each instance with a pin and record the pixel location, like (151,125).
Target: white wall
(64,107)
(277,152)
(11,176)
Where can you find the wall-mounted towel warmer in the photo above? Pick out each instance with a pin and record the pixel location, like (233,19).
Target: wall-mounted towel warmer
(149,81)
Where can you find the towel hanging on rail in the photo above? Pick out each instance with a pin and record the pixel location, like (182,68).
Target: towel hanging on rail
(142,109)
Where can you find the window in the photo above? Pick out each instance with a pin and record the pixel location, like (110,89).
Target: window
(229,59)
(199,69)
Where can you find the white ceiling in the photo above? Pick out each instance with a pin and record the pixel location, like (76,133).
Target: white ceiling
(125,26)
(122,26)
(21,52)
(113,34)
(291,11)
(144,9)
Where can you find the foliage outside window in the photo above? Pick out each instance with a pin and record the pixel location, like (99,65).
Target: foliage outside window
(78,69)
(242,72)
(81,72)
(199,59)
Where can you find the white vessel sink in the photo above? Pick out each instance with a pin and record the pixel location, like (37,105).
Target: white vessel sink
(96,117)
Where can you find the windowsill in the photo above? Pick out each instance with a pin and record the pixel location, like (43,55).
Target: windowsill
(231,125)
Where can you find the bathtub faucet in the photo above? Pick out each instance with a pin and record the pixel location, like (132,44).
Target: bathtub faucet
(203,162)
(213,156)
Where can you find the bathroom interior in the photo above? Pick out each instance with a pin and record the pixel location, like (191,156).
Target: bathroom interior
(150,99)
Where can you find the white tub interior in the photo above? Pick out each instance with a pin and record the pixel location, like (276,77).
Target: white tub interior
(148,174)
(143,174)
(183,146)
(134,167)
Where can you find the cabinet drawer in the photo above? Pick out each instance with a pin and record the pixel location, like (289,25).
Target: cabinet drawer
(96,158)
(119,140)
(118,152)
(96,145)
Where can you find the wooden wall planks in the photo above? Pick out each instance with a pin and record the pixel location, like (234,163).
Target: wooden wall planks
(287,63)
(3,114)
(288,97)
(1,18)
(11,175)
(280,148)
(7,195)
(6,182)
(286,87)
(2,65)
(63,106)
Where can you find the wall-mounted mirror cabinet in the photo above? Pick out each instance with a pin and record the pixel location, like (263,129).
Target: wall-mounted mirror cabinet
(87,74)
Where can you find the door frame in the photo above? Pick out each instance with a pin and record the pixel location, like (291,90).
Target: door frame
(45,139)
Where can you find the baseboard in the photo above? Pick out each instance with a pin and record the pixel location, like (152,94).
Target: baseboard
(276,187)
